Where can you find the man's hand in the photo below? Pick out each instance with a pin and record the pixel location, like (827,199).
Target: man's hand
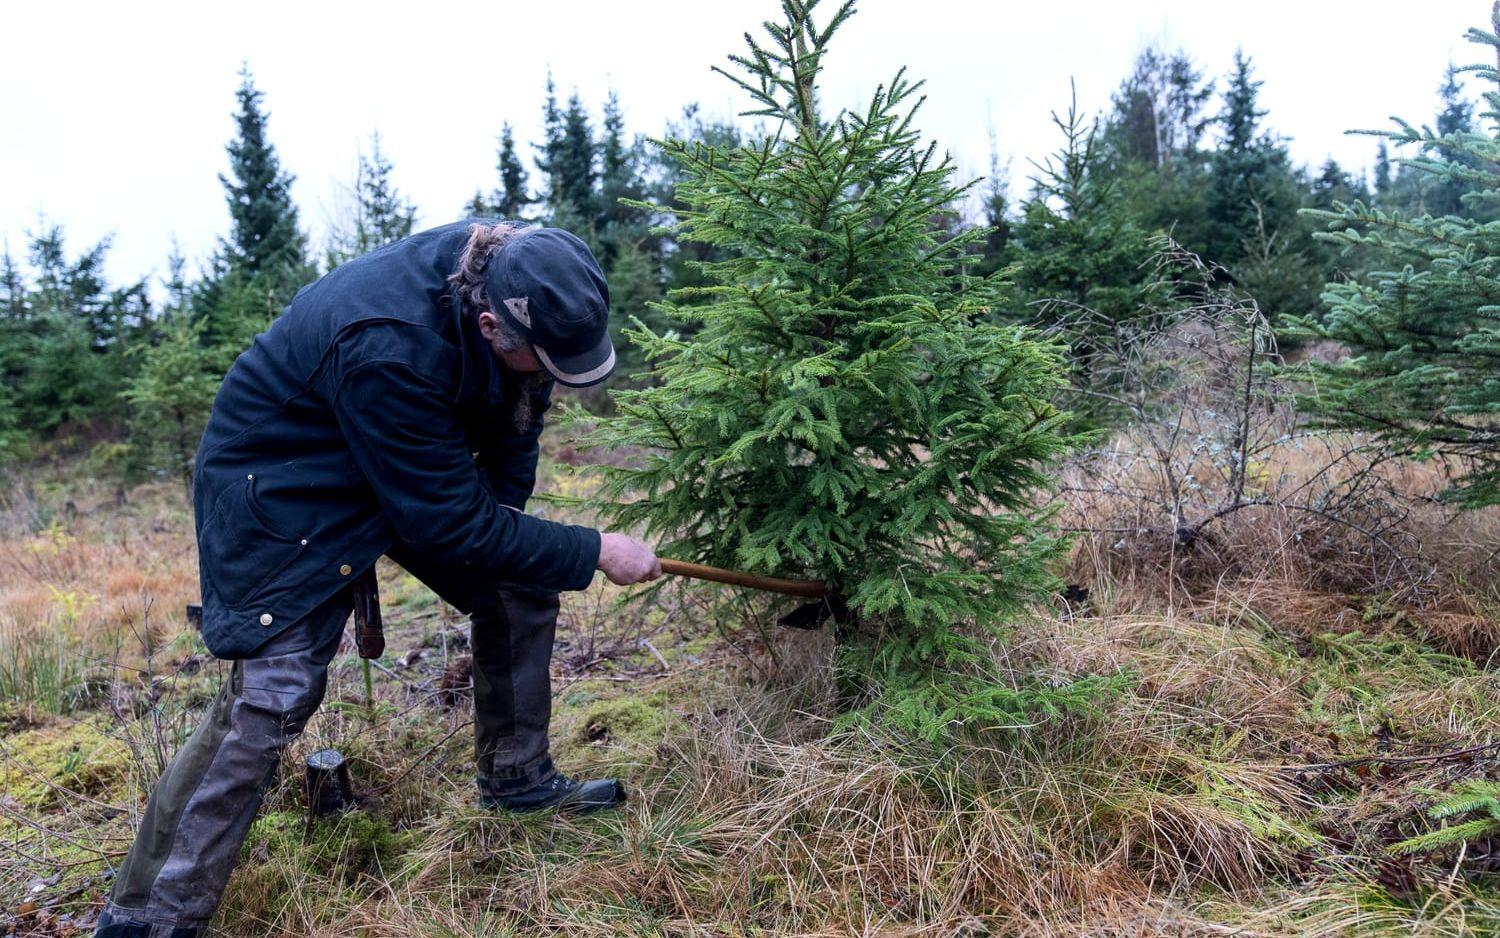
(626,560)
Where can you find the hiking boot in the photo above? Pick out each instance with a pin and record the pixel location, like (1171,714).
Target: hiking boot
(112,926)
(565,794)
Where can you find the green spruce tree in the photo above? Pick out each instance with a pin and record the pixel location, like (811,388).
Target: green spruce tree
(1333,184)
(69,356)
(512,197)
(995,251)
(1382,171)
(548,153)
(1424,327)
(170,397)
(13,339)
(568,161)
(12,437)
(384,214)
(264,260)
(172,388)
(1253,199)
(630,248)
(12,288)
(264,233)
(846,410)
(1250,172)
(621,186)
(1444,195)
(380,214)
(1082,260)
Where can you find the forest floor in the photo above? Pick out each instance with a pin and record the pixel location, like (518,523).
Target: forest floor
(1271,746)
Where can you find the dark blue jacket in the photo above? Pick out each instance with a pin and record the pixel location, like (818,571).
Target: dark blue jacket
(368,413)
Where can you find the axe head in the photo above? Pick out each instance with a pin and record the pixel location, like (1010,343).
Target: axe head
(809,616)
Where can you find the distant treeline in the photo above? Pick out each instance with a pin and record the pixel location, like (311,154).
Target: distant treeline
(1175,153)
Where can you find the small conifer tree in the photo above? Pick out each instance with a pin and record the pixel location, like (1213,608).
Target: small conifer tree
(172,390)
(511,199)
(846,409)
(1424,325)
(380,213)
(170,397)
(1084,262)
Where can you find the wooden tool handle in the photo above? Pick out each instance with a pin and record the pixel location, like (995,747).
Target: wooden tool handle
(812,589)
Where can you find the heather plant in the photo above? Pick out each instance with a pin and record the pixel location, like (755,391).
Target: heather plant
(845,408)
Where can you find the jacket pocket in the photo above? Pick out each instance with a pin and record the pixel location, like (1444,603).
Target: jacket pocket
(241,551)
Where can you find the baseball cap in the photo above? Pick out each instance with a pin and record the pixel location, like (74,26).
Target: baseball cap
(547,286)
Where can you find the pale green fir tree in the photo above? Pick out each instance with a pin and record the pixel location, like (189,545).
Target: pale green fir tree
(845,408)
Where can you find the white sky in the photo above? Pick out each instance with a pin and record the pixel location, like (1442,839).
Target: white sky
(114,115)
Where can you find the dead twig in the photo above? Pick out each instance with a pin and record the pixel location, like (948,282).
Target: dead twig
(412,765)
(1390,760)
(652,648)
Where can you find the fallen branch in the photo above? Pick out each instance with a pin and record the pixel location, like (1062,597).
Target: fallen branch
(1391,760)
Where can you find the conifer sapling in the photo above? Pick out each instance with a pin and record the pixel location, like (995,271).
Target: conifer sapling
(1423,328)
(845,409)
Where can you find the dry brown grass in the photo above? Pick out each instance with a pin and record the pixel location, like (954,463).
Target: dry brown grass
(1387,549)
(116,577)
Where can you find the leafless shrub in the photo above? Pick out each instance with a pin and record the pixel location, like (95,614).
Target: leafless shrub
(1214,478)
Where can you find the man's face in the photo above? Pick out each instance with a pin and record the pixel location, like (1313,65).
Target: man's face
(522,359)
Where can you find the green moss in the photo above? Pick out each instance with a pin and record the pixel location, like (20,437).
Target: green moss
(346,844)
(625,721)
(356,840)
(76,756)
(292,880)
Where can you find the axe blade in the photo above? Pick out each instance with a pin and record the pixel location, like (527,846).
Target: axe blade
(810,616)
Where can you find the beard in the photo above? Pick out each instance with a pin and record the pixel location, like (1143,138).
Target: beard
(523,412)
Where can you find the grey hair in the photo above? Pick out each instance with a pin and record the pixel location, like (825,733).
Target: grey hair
(510,339)
(484,241)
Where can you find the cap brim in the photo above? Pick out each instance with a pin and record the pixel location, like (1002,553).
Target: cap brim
(582,370)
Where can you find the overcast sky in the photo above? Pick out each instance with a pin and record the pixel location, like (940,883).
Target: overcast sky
(114,115)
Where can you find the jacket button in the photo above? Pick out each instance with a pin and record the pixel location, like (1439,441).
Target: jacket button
(345,570)
(265,618)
